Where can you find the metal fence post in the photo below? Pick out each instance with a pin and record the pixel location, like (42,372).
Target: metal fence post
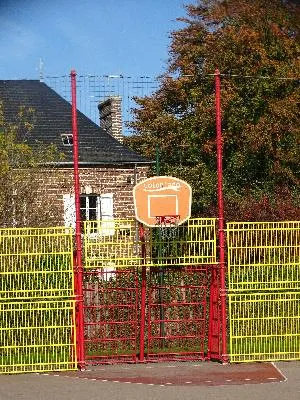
(221,233)
(143,294)
(78,250)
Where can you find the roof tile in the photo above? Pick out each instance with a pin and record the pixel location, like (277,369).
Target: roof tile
(52,118)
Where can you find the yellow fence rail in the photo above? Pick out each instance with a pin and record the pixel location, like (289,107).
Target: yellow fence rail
(116,243)
(37,330)
(263,290)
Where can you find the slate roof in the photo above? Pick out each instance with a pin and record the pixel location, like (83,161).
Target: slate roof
(52,116)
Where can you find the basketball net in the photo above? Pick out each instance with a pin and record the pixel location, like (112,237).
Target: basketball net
(168,226)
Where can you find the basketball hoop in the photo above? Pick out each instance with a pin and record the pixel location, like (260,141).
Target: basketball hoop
(162,201)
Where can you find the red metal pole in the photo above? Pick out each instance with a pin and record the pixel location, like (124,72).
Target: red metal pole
(221,233)
(78,266)
(214,327)
(143,294)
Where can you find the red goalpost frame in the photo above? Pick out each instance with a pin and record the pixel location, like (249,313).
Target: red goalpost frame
(221,233)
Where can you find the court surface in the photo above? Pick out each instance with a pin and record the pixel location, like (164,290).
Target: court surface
(164,381)
(182,373)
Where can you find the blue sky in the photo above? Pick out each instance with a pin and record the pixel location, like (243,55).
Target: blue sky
(128,37)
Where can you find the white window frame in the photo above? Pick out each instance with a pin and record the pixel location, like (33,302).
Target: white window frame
(104,213)
(67,139)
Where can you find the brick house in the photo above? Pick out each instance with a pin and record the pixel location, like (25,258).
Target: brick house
(108,169)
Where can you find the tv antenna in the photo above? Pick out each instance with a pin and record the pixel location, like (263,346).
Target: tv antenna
(41,70)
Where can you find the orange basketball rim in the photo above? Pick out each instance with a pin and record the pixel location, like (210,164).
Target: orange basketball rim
(162,196)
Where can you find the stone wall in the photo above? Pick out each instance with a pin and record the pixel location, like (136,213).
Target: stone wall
(116,180)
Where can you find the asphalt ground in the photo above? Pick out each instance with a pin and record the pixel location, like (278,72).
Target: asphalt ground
(161,381)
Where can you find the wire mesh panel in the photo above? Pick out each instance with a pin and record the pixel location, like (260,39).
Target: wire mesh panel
(37,336)
(191,243)
(110,315)
(264,281)
(115,243)
(36,263)
(111,243)
(264,326)
(264,255)
(92,89)
(177,313)
(37,330)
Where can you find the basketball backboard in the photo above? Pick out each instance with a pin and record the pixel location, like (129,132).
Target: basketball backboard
(162,196)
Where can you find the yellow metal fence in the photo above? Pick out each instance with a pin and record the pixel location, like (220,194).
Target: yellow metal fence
(37,302)
(37,306)
(112,243)
(116,243)
(263,290)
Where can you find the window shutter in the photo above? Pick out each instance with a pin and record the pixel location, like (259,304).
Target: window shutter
(69,210)
(106,206)
(107,214)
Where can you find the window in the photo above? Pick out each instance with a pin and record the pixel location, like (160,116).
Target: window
(89,207)
(67,139)
(92,208)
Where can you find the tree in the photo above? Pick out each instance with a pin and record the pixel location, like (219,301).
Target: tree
(255,45)
(22,198)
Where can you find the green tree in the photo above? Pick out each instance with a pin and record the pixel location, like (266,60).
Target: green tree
(255,45)
(23,201)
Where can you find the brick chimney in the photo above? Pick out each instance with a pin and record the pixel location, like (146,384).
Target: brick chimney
(110,112)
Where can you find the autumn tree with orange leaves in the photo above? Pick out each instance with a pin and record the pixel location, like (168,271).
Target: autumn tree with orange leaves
(255,45)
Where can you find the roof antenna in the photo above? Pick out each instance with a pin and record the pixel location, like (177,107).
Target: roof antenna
(41,66)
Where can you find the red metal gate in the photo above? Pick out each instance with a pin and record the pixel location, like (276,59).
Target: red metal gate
(111,315)
(144,305)
(176,324)
(177,314)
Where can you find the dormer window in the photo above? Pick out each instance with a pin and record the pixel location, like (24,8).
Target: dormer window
(67,139)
